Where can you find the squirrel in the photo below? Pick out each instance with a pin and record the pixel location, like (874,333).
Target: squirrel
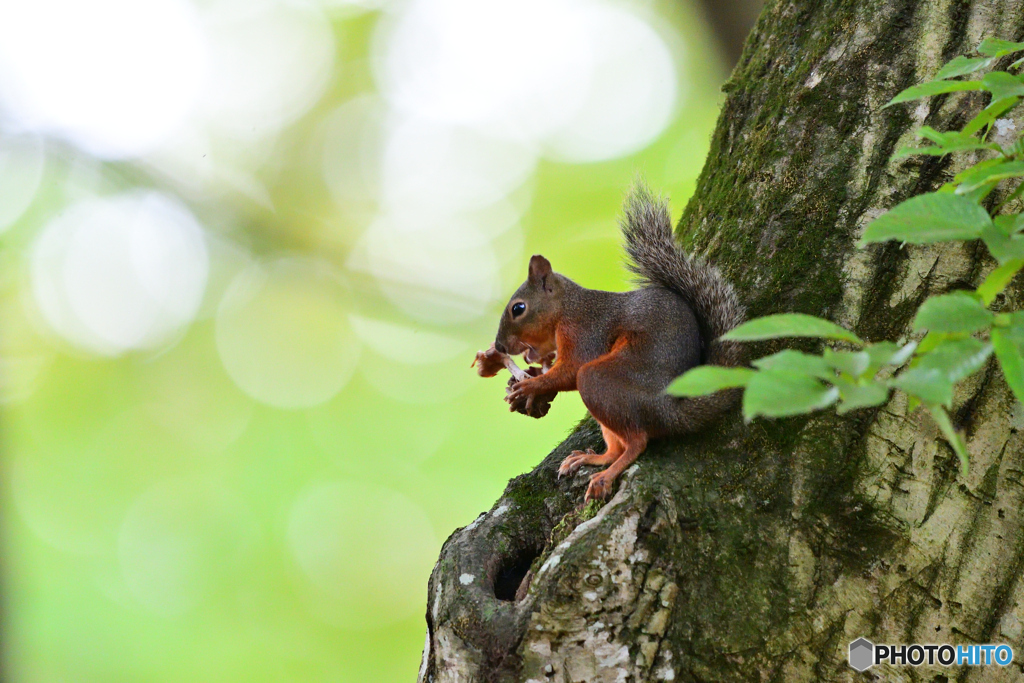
(620,350)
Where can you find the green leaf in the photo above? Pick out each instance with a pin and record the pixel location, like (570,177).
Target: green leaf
(998,279)
(707,379)
(933,217)
(978,176)
(933,339)
(995,47)
(853,363)
(957,358)
(933,88)
(1010,223)
(888,353)
(774,393)
(860,395)
(953,312)
(1011,359)
(1016,148)
(1013,195)
(930,385)
(1004,248)
(789,325)
(955,439)
(1002,85)
(962,65)
(945,143)
(791,360)
(989,114)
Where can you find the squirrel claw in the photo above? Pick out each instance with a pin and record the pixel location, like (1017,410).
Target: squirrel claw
(574,461)
(600,486)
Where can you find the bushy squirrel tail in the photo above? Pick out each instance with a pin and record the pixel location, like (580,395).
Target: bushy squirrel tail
(656,257)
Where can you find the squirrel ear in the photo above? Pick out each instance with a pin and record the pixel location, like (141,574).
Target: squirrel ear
(540,267)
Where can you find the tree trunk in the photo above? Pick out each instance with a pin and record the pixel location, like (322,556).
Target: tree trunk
(760,551)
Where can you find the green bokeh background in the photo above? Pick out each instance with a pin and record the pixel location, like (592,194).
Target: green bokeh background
(152,510)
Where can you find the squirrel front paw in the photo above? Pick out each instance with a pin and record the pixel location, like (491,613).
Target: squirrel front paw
(489,363)
(522,398)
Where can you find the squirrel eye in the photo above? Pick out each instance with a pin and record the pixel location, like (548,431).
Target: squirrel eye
(518,308)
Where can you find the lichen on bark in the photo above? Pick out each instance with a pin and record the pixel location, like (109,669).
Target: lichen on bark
(759,551)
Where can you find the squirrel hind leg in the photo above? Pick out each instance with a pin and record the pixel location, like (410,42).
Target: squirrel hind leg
(601,483)
(614,447)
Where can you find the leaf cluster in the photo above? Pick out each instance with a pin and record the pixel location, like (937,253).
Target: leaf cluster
(958,332)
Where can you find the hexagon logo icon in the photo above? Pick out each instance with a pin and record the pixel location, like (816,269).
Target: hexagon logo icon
(862,654)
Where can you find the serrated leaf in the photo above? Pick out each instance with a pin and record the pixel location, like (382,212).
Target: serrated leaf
(1004,248)
(927,384)
(903,354)
(784,325)
(979,175)
(962,65)
(937,151)
(774,393)
(853,363)
(987,163)
(1011,359)
(888,353)
(957,358)
(927,218)
(1016,149)
(791,360)
(955,439)
(860,395)
(989,114)
(707,379)
(953,312)
(933,88)
(996,47)
(1010,223)
(998,279)
(933,339)
(1002,85)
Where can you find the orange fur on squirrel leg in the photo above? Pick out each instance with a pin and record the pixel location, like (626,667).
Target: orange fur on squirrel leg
(614,447)
(601,482)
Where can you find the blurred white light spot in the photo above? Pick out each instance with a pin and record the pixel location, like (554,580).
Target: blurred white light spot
(113,76)
(520,68)
(442,273)
(345,7)
(269,62)
(585,81)
(365,552)
(21,168)
(632,93)
(439,168)
(283,333)
(120,273)
(179,542)
(404,344)
(352,144)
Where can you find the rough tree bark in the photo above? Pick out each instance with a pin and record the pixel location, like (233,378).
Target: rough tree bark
(759,551)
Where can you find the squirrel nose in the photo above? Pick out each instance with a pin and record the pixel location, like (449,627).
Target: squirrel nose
(500,347)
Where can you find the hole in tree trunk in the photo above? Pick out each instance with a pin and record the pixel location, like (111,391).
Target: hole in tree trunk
(511,573)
